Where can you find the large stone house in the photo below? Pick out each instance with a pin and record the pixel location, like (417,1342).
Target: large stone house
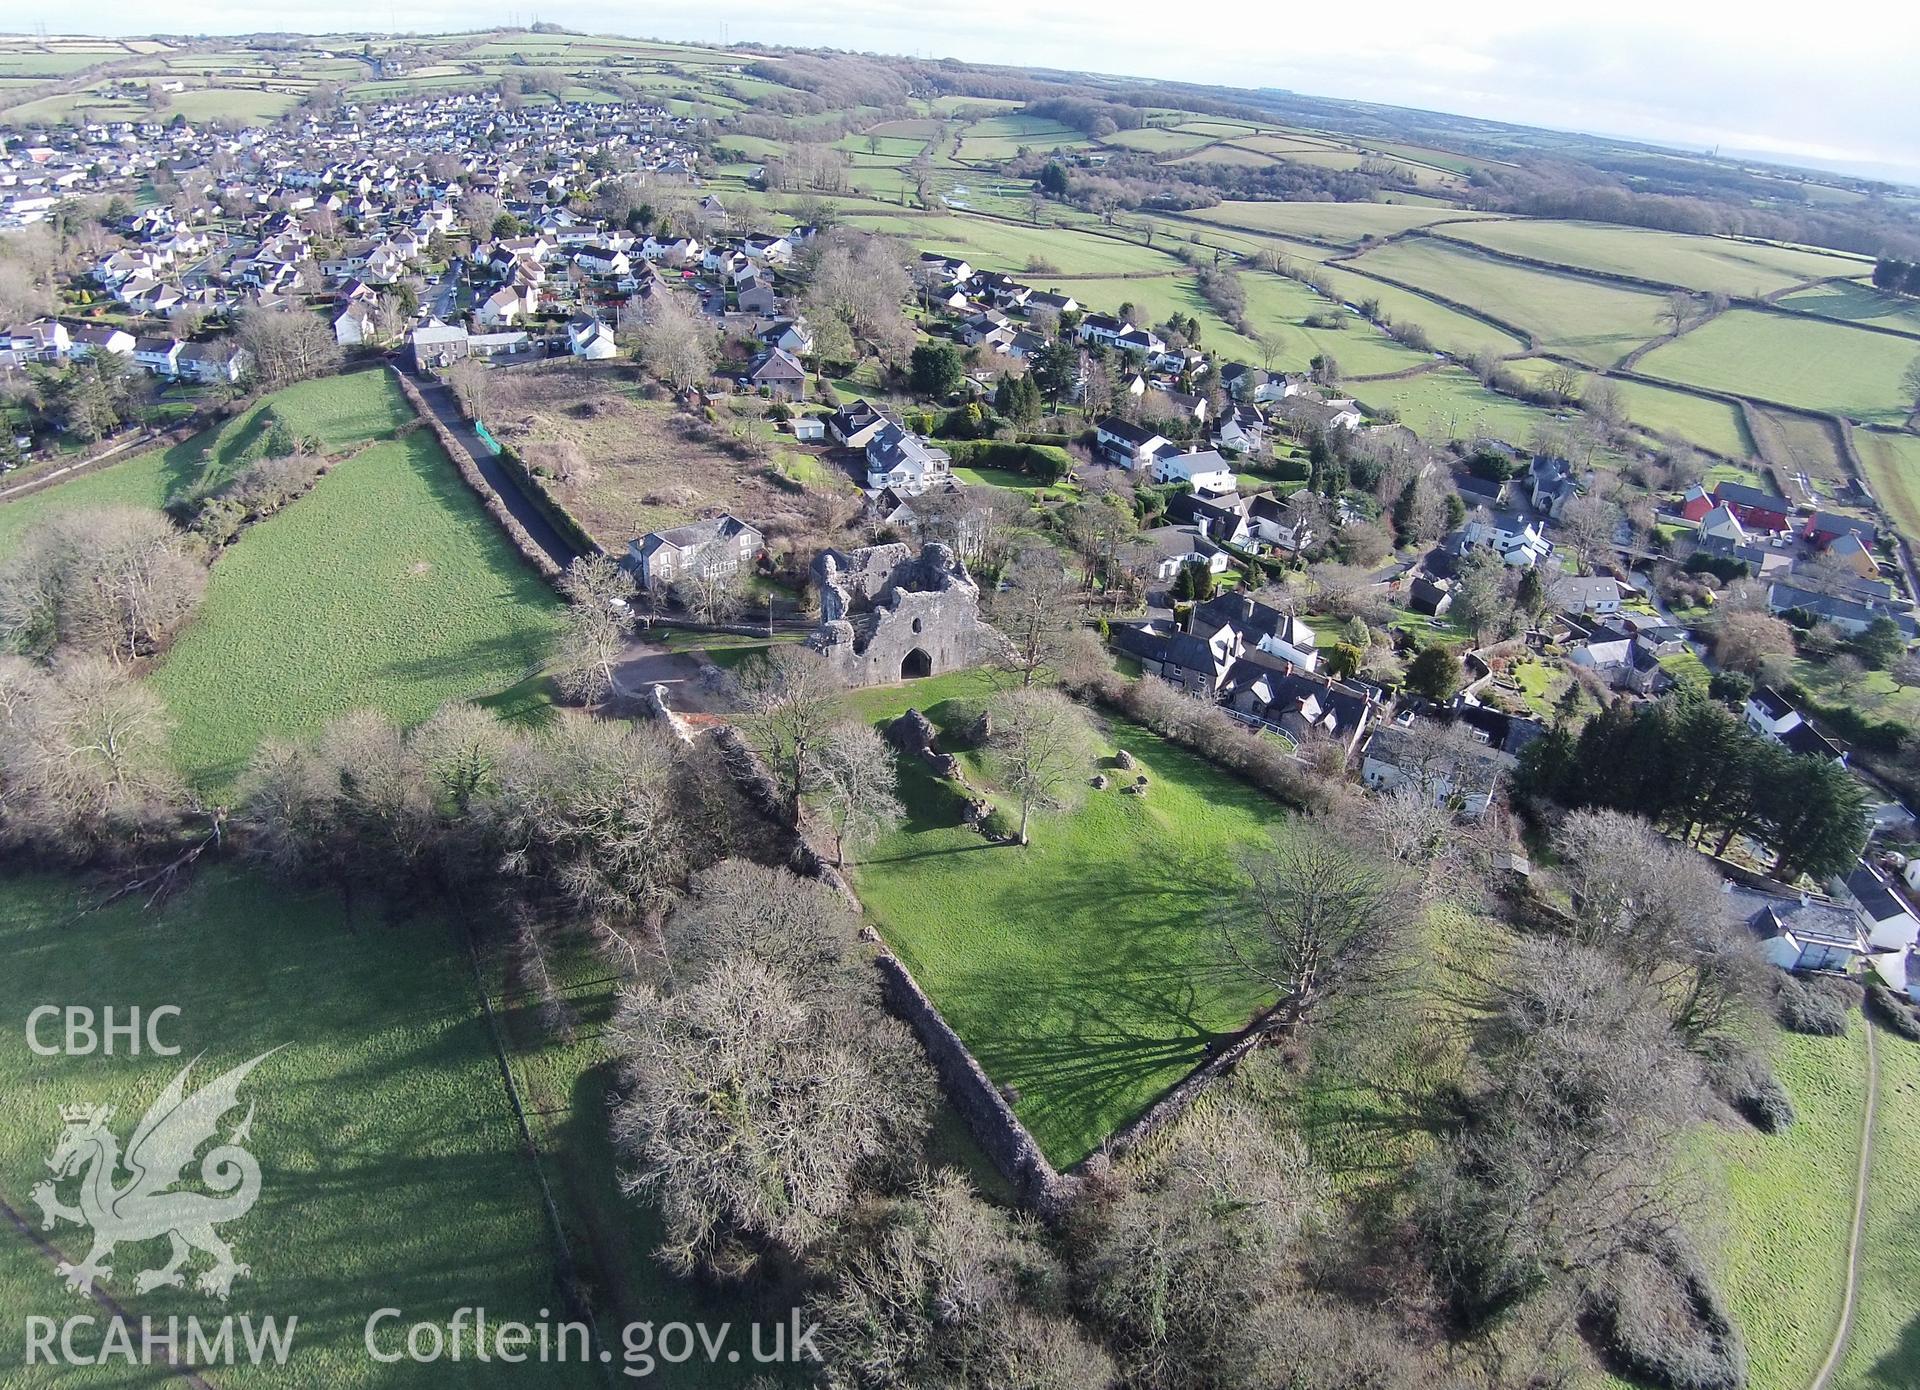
(718,545)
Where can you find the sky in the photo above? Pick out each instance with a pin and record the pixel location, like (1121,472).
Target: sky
(1831,85)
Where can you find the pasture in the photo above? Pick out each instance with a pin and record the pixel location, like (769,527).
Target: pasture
(342,412)
(1341,224)
(1697,420)
(1450,403)
(1080,969)
(1856,302)
(1592,323)
(1893,472)
(1794,360)
(1448,328)
(1721,264)
(391,1174)
(385,587)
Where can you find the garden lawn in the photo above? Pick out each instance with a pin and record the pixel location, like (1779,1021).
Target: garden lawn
(1794,360)
(1081,969)
(1778,1209)
(390,1163)
(1883,1352)
(386,587)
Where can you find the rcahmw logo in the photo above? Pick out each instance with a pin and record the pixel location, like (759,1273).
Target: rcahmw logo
(142,1206)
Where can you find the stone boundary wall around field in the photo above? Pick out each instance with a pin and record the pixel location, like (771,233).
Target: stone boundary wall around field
(1006,1142)
(462,461)
(1178,1098)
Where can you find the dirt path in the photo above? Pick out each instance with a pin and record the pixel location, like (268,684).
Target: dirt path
(1841,1333)
(104,1300)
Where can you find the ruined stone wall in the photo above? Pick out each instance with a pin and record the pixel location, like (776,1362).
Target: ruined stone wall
(888,614)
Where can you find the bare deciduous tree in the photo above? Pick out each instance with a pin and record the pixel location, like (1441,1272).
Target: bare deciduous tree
(1319,915)
(1040,739)
(116,580)
(672,342)
(1037,612)
(793,700)
(859,786)
(288,345)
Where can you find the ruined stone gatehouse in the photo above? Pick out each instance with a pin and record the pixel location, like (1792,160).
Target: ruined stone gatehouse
(887,614)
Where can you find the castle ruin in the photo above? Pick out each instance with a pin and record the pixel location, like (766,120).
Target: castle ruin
(887,614)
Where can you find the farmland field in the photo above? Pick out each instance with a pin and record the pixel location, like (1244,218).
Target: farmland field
(386,587)
(1449,329)
(1596,324)
(342,412)
(231,103)
(1450,403)
(1709,424)
(1893,471)
(1694,262)
(1857,303)
(1079,969)
(391,1170)
(1344,224)
(1796,361)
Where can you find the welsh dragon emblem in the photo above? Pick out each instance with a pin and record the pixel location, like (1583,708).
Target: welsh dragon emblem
(141,1207)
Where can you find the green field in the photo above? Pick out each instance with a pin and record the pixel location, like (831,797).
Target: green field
(391,1170)
(1709,424)
(1449,329)
(343,412)
(1794,360)
(1857,303)
(1893,471)
(1774,1209)
(1693,262)
(1452,404)
(1079,969)
(387,587)
(1884,1351)
(1344,224)
(232,103)
(1593,323)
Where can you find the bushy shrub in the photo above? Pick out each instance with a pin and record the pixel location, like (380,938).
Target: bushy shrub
(1662,1322)
(1812,1005)
(1745,1080)
(1894,1010)
(997,824)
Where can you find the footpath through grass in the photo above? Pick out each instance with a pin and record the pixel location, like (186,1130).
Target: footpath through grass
(1780,1209)
(1884,1351)
(386,587)
(1082,970)
(390,1169)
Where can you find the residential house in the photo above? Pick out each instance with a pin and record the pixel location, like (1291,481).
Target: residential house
(1222,519)
(355,323)
(1518,540)
(437,344)
(1822,529)
(503,307)
(161,356)
(1128,444)
(1204,469)
(1757,510)
(903,461)
(1890,923)
(212,361)
(1452,771)
(588,337)
(1850,616)
(779,372)
(1809,935)
(1103,329)
(1695,502)
(1771,713)
(89,338)
(856,424)
(1721,523)
(1433,597)
(718,545)
(1552,484)
(1855,552)
(1600,594)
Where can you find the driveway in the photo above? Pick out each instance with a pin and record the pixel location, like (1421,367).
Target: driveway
(685,674)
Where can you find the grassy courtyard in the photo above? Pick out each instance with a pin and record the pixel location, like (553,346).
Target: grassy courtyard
(1082,969)
(391,1173)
